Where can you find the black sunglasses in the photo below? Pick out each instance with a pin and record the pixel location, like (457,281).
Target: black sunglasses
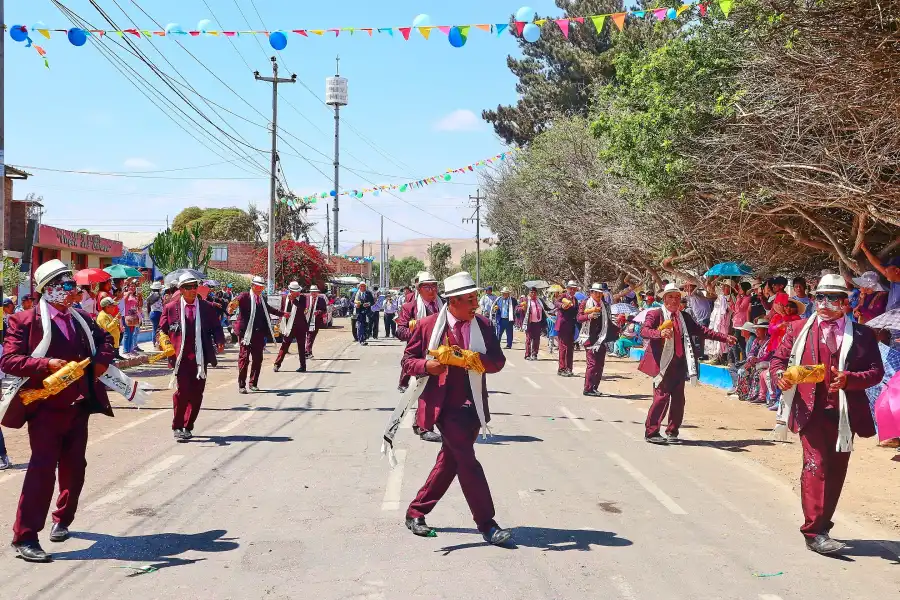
(830,297)
(189,286)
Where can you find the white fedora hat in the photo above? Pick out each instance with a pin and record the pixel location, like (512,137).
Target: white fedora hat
(187,278)
(313,288)
(259,281)
(459,284)
(425,277)
(670,288)
(596,288)
(505,290)
(294,287)
(156,286)
(572,283)
(45,273)
(832,284)
(870,280)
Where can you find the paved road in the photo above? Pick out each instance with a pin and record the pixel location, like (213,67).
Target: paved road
(283,494)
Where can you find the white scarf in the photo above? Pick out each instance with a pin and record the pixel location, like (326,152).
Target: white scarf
(198,344)
(668,351)
(586,330)
(248,332)
(845,434)
(113,378)
(511,310)
(421,308)
(287,323)
(476,343)
(311,305)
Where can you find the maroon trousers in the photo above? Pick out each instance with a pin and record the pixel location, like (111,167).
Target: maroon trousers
(668,396)
(532,339)
(58,440)
(301,349)
(594,372)
(251,356)
(459,428)
(824,470)
(188,396)
(310,340)
(566,351)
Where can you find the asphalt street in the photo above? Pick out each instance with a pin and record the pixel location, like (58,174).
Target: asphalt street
(283,494)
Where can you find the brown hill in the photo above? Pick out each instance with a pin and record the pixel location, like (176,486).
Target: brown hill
(417,248)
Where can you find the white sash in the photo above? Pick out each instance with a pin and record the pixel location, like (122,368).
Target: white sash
(668,351)
(422,309)
(311,308)
(198,344)
(248,332)
(586,330)
(287,323)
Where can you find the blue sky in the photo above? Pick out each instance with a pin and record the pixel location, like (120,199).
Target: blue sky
(414,100)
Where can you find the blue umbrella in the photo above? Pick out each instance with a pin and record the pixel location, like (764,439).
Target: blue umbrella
(729,269)
(580,296)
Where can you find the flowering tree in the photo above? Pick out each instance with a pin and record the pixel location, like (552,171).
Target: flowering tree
(294,261)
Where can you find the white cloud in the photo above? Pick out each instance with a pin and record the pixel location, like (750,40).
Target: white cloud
(459,120)
(138,163)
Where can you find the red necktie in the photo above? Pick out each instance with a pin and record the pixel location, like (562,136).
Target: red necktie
(830,335)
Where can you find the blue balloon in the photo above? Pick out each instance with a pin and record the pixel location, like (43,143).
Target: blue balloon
(18,33)
(332,193)
(672,14)
(278,40)
(526,14)
(531,33)
(422,20)
(457,39)
(174,29)
(77,37)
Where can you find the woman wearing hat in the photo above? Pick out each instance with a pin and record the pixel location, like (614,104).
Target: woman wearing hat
(720,320)
(40,342)
(109,321)
(872,297)
(751,383)
(253,328)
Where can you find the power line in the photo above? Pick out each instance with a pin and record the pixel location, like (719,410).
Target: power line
(133,175)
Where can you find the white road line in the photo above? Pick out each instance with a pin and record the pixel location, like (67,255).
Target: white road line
(224,385)
(510,363)
(575,420)
(622,586)
(617,426)
(533,384)
(648,485)
(524,497)
(140,421)
(238,421)
(144,478)
(769,597)
(394,483)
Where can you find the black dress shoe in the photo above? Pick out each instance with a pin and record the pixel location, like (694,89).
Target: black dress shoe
(419,527)
(656,439)
(186,434)
(254,388)
(431,436)
(242,390)
(176,433)
(181,436)
(32,552)
(402,388)
(823,544)
(301,370)
(673,438)
(58,533)
(497,537)
(276,368)
(593,393)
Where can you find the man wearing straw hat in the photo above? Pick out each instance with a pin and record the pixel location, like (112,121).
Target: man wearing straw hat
(293,326)
(670,359)
(455,400)
(39,342)
(829,413)
(314,315)
(567,316)
(193,326)
(253,328)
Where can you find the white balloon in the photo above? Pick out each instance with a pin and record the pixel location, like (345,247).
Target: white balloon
(204,25)
(422,20)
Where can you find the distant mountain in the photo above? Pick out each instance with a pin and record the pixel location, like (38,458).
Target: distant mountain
(417,248)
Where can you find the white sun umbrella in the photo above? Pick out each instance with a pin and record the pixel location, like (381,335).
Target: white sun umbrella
(623,308)
(889,320)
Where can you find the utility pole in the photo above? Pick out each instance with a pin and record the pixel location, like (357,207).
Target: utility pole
(274,80)
(387,262)
(476,218)
(327,231)
(381,253)
(336,95)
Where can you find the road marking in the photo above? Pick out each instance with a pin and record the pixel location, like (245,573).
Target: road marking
(769,597)
(617,426)
(238,421)
(533,384)
(623,588)
(224,385)
(146,477)
(524,497)
(575,420)
(394,483)
(103,438)
(648,485)
(510,363)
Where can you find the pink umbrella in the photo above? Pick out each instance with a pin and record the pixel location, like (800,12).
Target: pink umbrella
(887,410)
(639,318)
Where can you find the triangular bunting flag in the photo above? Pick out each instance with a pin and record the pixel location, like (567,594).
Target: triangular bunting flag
(405,31)
(619,20)
(387,30)
(350,29)
(121,34)
(520,25)
(579,19)
(725,5)
(464,31)
(639,14)
(540,22)
(702,10)
(445,29)
(317,31)
(45,33)
(682,8)
(215,33)
(564,27)
(599,20)
(367,30)
(660,14)
(483,27)
(425,31)
(500,27)
(301,32)
(337,32)
(163,33)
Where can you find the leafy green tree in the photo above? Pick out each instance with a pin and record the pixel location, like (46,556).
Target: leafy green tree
(13,277)
(439,260)
(404,270)
(222,224)
(239,282)
(498,268)
(184,249)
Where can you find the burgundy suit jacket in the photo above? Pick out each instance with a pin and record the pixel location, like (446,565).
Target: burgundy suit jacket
(595,325)
(566,317)
(407,314)
(434,395)
(210,329)
(260,326)
(321,307)
(23,335)
(300,324)
(649,364)
(864,369)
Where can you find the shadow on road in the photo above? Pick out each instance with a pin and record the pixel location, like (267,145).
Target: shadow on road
(503,440)
(544,538)
(888,550)
(227,440)
(297,391)
(159,549)
(729,445)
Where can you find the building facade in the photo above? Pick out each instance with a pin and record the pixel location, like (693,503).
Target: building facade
(81,250)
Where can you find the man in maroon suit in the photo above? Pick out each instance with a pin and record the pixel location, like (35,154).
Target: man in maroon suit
(193,353)
(449,401)
(827,414)
(600,330)
(423,304)
(57,425)
(294,326)
(535,315)
(316,306)
(253,327)
(566,316)
(670,359)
